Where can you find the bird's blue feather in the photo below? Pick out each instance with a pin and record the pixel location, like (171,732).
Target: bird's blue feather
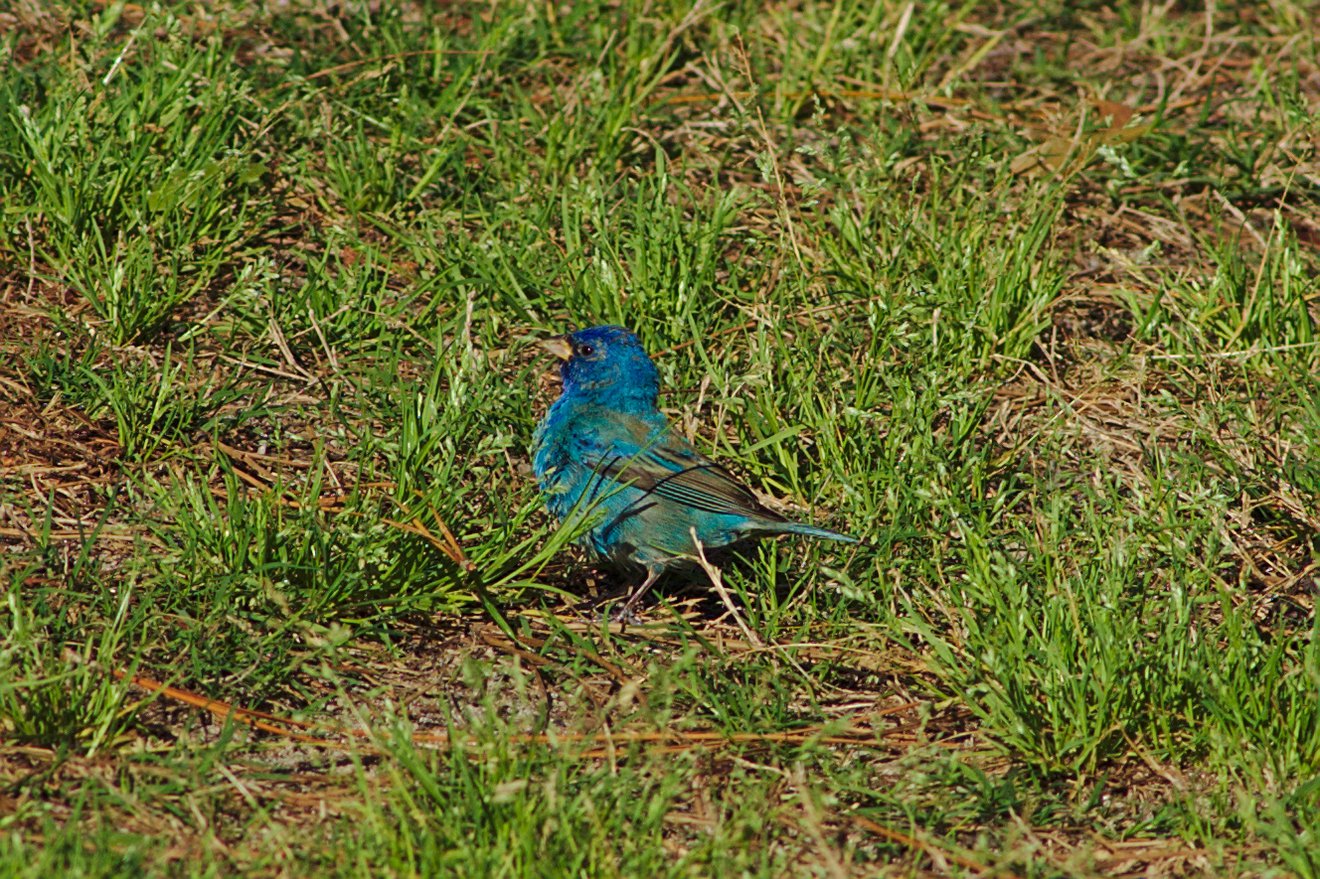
(606,459)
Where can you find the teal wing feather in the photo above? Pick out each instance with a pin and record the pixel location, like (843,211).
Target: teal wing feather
(654,461)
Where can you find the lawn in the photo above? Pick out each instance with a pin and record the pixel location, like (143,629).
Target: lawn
(1022,295)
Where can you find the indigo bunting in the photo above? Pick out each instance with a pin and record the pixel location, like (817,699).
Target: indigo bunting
(604,453)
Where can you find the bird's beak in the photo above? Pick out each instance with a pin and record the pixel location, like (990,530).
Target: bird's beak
(558,346)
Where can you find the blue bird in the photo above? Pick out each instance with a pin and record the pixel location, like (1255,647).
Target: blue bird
(604,456)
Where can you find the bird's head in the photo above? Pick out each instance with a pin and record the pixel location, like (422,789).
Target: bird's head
(606,363)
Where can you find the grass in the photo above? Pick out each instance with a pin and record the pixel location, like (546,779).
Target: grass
(1023,295)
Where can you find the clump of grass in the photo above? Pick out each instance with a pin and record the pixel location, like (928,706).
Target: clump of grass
(145,180)
(57,689)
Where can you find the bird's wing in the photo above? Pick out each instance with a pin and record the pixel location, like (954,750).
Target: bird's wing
(661,464)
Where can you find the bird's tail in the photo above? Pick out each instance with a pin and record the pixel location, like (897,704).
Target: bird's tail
(810,531)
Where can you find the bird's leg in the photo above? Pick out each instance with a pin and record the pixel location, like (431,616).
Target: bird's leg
(624,614)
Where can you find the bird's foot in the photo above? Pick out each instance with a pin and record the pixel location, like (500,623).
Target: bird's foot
(625,615)
(601,600)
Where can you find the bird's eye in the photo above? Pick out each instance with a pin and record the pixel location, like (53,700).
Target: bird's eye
(586,350)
